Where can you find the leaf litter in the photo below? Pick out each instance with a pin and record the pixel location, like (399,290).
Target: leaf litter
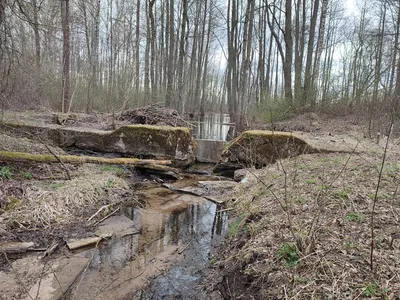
(319,204)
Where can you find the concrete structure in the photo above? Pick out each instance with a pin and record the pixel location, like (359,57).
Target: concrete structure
(209,151)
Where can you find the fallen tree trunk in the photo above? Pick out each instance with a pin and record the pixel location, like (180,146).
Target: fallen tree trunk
(73,159)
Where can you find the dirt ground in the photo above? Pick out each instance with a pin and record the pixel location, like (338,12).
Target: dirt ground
(301,228)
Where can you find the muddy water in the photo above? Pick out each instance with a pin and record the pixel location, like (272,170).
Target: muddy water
(177,234)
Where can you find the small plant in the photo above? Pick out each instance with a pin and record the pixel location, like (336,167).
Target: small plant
(311,181)
(235,226)
(373,289)
(347,243)
(27,175)
(323,187)
(288,252)
(112,168)
(56,185)
(6,172)
(301,200)
(110,183)
(342,194)
(354,217)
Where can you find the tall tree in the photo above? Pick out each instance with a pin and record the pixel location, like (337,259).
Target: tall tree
(287,68)
(66,55)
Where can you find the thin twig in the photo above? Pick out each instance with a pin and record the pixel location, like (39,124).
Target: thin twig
(100,210)
(17,277)
(106,217)
(58,159)
(40,281)
(86,268)
(371,261)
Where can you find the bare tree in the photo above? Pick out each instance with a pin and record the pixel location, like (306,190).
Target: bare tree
(66,55)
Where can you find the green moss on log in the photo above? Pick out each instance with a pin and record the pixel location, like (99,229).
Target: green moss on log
(259,148)
(72,159)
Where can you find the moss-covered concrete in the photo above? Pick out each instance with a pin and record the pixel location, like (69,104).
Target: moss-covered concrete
(143,141)
(259,148)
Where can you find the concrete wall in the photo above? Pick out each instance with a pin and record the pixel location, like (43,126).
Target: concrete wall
(209,151)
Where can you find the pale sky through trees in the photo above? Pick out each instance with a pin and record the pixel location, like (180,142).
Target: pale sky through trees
(200,55)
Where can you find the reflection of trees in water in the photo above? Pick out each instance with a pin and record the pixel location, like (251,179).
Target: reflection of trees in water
(213,126)
(174,228)
(218,223)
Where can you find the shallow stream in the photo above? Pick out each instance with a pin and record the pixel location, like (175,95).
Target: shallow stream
(177,233)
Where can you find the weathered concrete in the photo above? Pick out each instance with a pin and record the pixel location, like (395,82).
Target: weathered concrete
(209,151)
(147,141)
(258,148)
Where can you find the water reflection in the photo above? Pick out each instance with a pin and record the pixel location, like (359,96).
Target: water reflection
(213,127)
(116,262)
(207,224)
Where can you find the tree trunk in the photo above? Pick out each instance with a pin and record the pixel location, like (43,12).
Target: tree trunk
(182,43)
(320,47)
(287,68)
(171,43)
(66,55)
(3,4)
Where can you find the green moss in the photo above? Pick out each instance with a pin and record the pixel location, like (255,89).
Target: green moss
(276,136)
(154,128)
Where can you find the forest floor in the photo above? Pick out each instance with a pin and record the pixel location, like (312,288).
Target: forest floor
(301,228)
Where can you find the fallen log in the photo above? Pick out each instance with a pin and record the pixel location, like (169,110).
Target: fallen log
(73,159)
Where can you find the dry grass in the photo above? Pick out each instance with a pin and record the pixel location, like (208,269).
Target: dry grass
(322,207)
(49,202)
(17,144)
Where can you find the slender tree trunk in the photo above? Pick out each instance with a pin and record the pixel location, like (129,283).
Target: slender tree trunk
(152,42)
(308,94)
(137,51)
(35,26)
(287,68)
(3,4)
(320,47)
(147,55)
(66,55)
(171,43)
(395,51)
(182,43)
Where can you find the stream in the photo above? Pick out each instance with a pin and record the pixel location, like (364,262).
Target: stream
(213,127)
(176,236)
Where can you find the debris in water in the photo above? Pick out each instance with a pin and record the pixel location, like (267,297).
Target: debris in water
(79,243)
(16,247)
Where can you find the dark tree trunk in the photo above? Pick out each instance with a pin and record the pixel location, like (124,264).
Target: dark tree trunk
(66,55)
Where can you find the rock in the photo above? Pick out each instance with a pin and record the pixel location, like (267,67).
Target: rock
(118,226)
(56,283)
(259,148)
(239,174)
(162,171)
